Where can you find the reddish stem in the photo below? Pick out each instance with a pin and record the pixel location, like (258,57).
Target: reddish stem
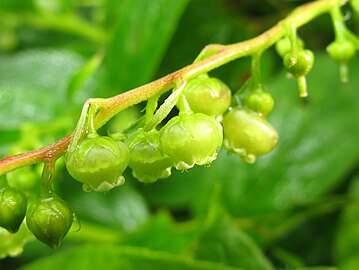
(47,153)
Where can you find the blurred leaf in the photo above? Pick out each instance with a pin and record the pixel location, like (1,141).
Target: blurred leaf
(16,5)
(7,137)
(143,31)
(79,78)
(13,244)
(107,257)
(347,239)
(33,85)
(123,208)
(221,241)
(54,6)
(177,191)
(155,234)
(318,268)
(287,258)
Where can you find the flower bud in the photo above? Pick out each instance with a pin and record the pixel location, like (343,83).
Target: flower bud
(190,139)
(50,220)
(248,135)
(147,162)
(299,64)
(260,102)
(13,204)
(98,163)
(341,51)
(207,95)
(284,45)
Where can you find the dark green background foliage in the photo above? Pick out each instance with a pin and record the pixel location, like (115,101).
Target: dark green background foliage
(296,208)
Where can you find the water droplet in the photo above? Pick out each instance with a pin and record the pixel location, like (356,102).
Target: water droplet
(219,118)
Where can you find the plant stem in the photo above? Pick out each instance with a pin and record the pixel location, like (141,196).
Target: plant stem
(165,108)
(50,152)
(213,56)
(256,68)
(46,179)
(338,23)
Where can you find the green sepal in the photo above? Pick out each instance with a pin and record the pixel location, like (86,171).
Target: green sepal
(341,51)
(259,102)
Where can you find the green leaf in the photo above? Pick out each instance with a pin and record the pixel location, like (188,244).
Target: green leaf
(16,5)
(56,6)
(7,137)
(13,244)
(83,74)
(347,239)
(221,241)
(318,268)
(107,257)
(143,31)
(122,208)
(33,85)
(155,234)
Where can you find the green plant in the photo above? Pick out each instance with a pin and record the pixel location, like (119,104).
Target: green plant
(178,130)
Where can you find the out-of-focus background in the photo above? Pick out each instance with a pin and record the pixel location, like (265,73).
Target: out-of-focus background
(294,208)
